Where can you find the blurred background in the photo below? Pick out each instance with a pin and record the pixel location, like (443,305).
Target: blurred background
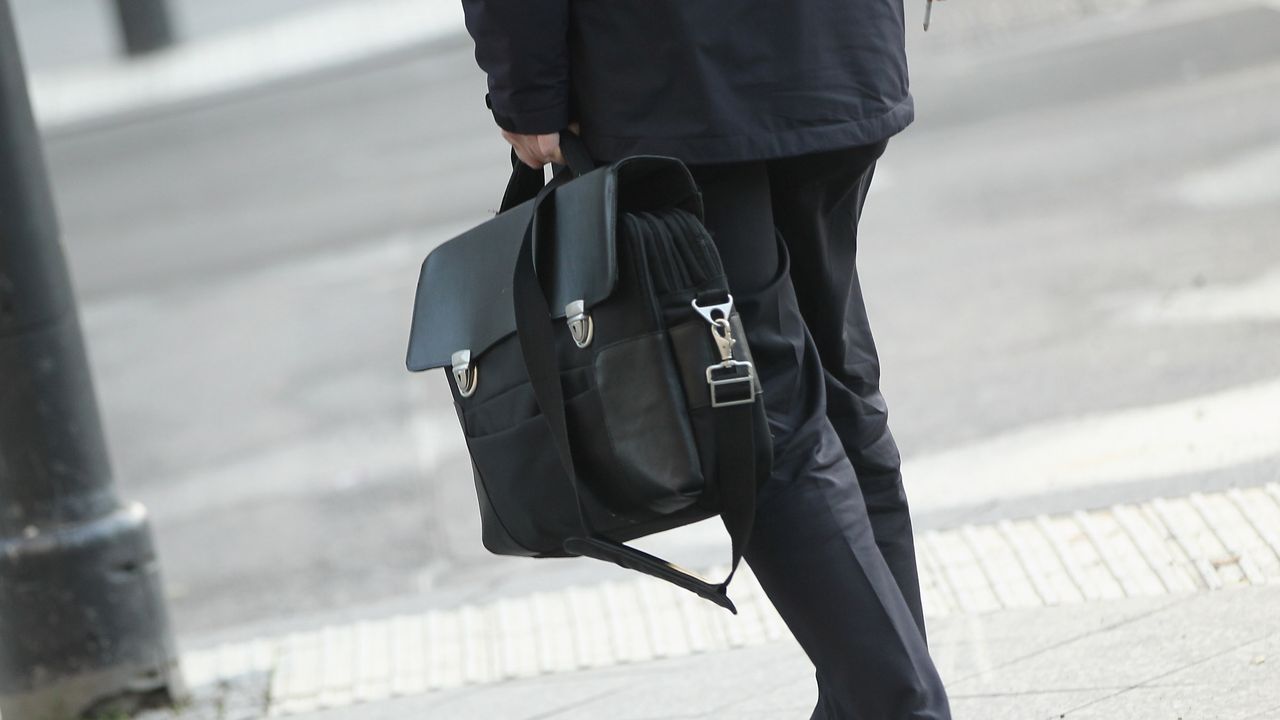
(1071,260)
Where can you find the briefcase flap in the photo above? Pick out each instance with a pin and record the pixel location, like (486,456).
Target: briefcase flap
(464,290)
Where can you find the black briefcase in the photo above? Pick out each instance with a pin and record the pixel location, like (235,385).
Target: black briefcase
(599,371)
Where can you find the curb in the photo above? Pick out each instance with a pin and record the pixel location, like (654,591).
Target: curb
(321,39)
(1162,547)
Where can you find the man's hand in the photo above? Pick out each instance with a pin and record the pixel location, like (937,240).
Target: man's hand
(535,150)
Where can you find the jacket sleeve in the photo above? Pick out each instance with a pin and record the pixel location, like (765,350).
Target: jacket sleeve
(523,45)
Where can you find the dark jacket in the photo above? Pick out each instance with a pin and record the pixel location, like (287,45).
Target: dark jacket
(702,80)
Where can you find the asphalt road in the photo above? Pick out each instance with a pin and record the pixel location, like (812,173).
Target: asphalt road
(1038,252)
(61,34)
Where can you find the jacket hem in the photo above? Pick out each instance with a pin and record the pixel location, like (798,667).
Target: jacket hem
(757,146)
(540,122)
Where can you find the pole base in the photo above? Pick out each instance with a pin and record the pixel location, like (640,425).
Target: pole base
(83,620)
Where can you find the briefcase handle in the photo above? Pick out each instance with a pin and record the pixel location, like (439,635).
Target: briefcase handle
(526,182)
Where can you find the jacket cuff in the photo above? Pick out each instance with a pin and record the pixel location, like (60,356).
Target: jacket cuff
(537,122)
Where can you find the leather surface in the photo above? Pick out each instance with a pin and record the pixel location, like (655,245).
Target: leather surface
(464,292)
(576,258)
(464,299)
(583,251)
(654,454)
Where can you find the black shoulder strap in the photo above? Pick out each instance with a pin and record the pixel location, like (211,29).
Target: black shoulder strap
(736,464)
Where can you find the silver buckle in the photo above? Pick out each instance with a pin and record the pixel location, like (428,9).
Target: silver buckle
(580,325)
(738,378)
(465,375)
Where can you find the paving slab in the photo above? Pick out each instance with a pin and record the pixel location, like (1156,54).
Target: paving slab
(1008,571)
(770,681)
(1211,639)
(1018,706)
(1209,655)
(1236,683)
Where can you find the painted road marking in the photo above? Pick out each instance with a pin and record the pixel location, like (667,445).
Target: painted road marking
(1199,434)
(326,37)
(1246,180)
(1256,300)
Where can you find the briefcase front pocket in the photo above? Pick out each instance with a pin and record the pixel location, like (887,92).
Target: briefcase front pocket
(524,492)
(652,454)
(637,450)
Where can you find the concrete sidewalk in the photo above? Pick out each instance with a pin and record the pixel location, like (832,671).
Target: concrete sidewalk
(1214,655)
(1169,604)
(1191,657)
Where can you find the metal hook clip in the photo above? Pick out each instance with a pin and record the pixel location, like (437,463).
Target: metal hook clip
(729,377)
(465,375)
(721,331)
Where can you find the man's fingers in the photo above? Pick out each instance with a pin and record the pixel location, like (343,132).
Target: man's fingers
(536,150)
(520,144)
(557,157)
(549,148)
(527,158)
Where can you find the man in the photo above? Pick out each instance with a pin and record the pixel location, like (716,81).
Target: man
(781,109)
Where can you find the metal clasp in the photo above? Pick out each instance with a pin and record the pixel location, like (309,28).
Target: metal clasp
(465,375)
(718,316)
(738,371)
(719,311)
(580,325)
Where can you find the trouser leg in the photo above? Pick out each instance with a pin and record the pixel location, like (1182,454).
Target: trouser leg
(817,202)
(813,550)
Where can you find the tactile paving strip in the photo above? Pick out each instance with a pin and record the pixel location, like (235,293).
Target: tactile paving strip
(1199,542)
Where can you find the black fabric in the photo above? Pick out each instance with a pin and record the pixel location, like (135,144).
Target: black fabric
(525,50)
(817,204)
(814,548)
(705,82)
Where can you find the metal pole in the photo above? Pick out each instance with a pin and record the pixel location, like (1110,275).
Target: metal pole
(83,626)
(145,25)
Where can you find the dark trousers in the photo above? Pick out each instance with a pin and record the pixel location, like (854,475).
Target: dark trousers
(832,546)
